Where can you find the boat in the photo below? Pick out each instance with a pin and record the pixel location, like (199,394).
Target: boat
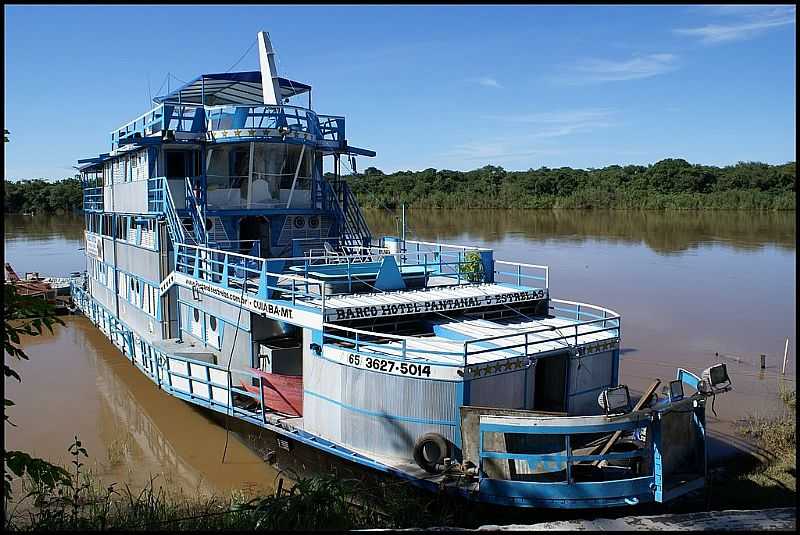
(56,291)
(239,276)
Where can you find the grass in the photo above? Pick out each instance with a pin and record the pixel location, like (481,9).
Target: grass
(318,503)
(773,481)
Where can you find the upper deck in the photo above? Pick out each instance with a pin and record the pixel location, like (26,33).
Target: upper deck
(234,123)
(453,307)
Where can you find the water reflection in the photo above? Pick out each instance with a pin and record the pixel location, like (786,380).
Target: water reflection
(77,383)
(663,232)
(50,245)
(43,227)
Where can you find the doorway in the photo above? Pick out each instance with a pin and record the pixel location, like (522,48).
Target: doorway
(550,384)
(175,163)
(256,228)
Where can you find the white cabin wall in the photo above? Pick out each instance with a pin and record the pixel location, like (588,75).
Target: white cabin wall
(139,261)
(375,412)
(129,174)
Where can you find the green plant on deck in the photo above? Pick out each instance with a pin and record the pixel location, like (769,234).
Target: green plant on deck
(472,267)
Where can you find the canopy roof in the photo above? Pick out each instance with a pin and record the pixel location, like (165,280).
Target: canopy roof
(229,88)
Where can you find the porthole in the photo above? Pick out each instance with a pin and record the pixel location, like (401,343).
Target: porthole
(299,222)
(313,221)
(196,315)
(209,224)
(213,323)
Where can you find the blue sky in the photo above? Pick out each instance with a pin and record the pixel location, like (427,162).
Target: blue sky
(454,87)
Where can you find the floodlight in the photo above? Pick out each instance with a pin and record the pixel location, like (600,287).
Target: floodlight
(715,378)
(615,399)
(675,390)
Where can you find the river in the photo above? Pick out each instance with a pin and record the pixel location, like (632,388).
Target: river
(693,288)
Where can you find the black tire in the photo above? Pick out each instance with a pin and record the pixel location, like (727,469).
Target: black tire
(430,450)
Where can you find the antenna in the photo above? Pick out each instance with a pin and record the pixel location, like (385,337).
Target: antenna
(269,73)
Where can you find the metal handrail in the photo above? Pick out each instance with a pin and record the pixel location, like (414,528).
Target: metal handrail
(172,216)
(198,221)
(465,352)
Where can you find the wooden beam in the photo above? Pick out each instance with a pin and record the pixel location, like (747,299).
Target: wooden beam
(639,404)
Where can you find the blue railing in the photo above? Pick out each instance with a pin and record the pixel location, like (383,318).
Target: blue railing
(557,486)
(198,221)
(331,127)
(522,342)
(200,381)
(247,275)
(178,118)
(198,120)
(339,200)
(159,200)
(353,217)
(249,120)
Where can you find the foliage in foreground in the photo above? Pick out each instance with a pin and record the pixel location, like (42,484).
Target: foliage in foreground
(668,184)
(80,502)
(24,316)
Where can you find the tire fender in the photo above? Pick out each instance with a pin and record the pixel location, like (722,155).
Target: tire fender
(430,450)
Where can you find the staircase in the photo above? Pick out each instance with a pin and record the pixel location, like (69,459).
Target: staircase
(198,228)
(177,230)
(218,234)
(340,200)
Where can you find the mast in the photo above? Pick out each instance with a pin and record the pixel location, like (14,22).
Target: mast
(269,73)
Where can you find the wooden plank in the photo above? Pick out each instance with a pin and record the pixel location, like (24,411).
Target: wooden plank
(639,404)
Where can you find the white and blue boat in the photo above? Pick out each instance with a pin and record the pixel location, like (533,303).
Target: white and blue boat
(239,277)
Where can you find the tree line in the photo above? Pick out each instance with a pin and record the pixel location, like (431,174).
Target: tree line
(670,183)
(41,196)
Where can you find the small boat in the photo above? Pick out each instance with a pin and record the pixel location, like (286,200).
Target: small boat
(55,290)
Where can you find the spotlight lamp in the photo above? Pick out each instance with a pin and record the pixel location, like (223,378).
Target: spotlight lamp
(615,400)
(714,380)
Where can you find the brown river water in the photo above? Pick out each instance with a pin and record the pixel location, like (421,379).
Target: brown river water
(689,285)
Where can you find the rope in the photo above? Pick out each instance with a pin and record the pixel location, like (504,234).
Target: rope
(230,358)
(243,55)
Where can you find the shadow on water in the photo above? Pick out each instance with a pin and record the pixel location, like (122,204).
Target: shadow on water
(131,428)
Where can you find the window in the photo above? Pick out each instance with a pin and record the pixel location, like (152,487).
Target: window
(212,331)
(196,324)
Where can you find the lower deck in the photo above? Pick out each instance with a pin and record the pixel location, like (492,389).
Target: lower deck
(505,471)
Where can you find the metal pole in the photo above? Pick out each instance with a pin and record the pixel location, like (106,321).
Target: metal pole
(250,175)
(785,354)
(263,406)
(403,232)
(763,361)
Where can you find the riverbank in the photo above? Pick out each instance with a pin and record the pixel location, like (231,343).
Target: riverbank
(668,184)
